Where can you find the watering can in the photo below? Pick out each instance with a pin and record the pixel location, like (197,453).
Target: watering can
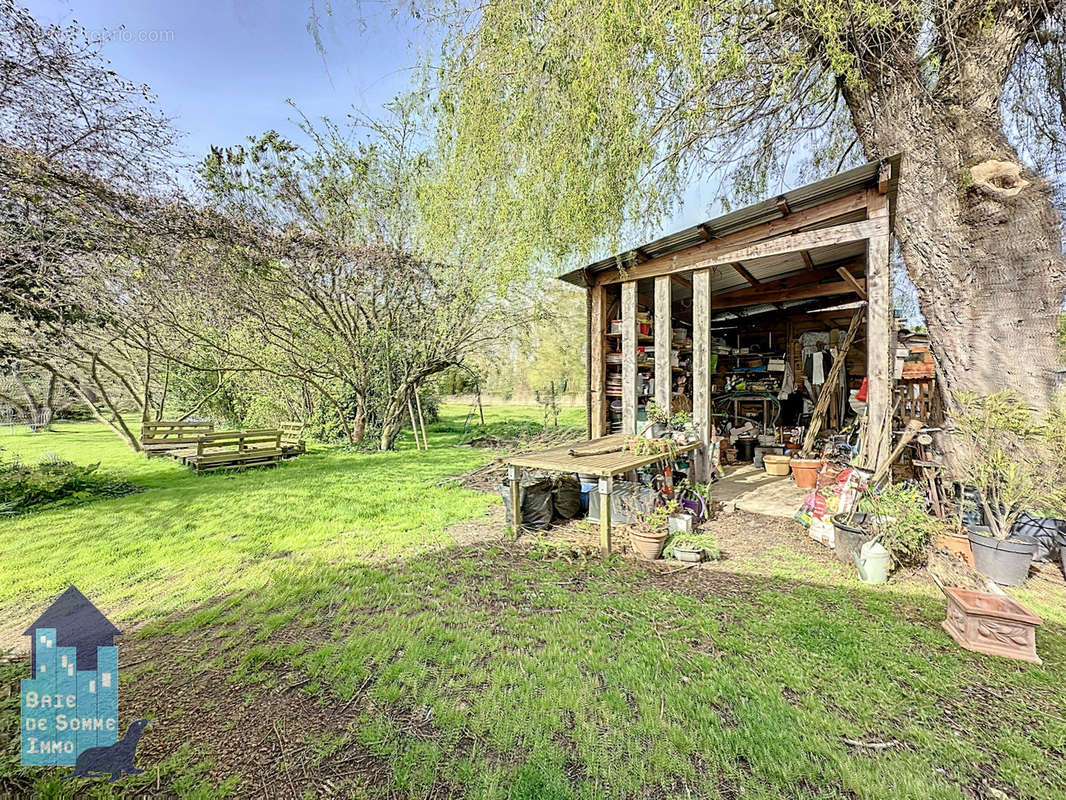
(873,561)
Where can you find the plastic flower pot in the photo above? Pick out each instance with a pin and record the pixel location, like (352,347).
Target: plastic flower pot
(850,536)
(1006,561)
(648,546)
(775,464)
(805,472)
(746,449)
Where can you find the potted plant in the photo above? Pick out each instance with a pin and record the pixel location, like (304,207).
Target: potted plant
(1017,462)
(896,518)
(658,419)
(649,533)
(691,547)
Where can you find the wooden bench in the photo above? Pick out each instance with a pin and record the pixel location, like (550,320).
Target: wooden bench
(292,444)
(161,438)
(234,450)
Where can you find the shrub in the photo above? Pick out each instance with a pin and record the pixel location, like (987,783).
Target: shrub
(1017,461)
(53,482)
(904,527)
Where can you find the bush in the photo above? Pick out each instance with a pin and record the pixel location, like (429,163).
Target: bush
(903,525)
(1016,460)
(55,482)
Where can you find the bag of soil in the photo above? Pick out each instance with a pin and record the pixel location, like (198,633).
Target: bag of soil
(566,497)
(534,502)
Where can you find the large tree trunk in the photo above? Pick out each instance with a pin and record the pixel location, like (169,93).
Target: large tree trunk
(985,254)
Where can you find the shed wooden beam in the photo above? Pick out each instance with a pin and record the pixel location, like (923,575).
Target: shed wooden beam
(701,369)
(845,273)
(747,297)
(597,362)
(807,259)
(629,357)
(682,280)
(884,175)
(880,337)
(731,247)
(663,339)
(744,273)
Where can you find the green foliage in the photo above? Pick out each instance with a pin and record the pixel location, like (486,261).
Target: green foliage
(903,525)
(562,121)
(1015,458)
(53,482)
(703,539)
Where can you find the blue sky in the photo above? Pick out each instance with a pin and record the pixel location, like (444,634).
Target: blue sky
(224,69)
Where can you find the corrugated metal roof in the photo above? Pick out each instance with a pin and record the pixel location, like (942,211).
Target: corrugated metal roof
(766,211)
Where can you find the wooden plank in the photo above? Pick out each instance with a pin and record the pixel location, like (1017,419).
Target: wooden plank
(663,342)
(616,462)
(743,272)
(796,242)
(880,331)
(701,367)
(606,490)
(629,357)
(809,291)
(597,364)
(694,257)
(514,475)
(845,273)
(807,259)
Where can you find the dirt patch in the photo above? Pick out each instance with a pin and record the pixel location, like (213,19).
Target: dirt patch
(277,741)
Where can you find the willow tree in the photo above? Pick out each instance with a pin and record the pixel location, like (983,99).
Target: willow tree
(564,119)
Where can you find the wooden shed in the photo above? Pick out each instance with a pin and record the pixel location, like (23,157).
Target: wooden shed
(740,301)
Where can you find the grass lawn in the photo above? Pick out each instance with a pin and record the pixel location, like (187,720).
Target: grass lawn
(315,630)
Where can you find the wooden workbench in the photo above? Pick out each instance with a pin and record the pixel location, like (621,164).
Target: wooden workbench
(604,467)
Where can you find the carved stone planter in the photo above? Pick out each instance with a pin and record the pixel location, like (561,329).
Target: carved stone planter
(991,623)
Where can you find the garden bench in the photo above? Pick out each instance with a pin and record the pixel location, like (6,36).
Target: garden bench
(292,444)
(162,438)
(234,450)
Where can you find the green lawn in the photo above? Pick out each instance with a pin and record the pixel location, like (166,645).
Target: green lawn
(314,622)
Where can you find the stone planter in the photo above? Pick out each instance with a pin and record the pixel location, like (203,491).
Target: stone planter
(689,555)
(991,623)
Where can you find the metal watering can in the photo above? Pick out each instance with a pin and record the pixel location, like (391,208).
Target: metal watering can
(874,562)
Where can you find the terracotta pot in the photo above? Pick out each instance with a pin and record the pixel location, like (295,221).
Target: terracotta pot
(648,546)
(805,472)
(991,623)
(955,544)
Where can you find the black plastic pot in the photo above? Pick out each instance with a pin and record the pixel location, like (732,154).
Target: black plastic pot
(1006,561)
(850,536)
(746,449)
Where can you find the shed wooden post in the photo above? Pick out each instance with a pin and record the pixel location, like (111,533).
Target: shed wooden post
(606,488)
(663,345)
(597,368)
(513,475)
(880,339)
(701,369)
(629,357)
